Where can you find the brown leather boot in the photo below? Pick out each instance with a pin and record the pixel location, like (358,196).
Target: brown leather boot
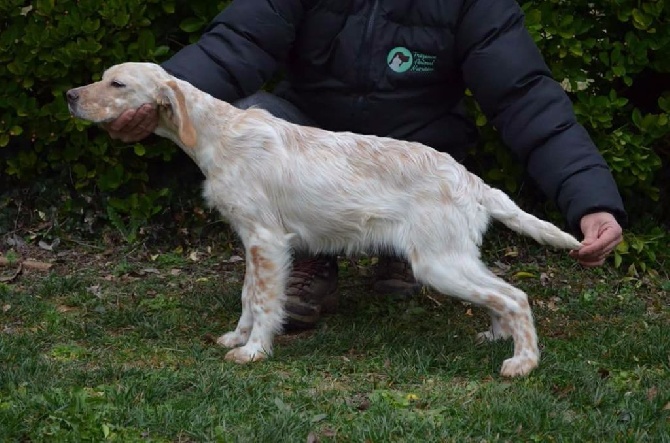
(311,291)
(393,276)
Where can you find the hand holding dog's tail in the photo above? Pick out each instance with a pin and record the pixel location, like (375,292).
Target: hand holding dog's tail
(503,209)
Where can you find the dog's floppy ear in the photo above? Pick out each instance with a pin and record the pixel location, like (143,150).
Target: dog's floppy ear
(172,99)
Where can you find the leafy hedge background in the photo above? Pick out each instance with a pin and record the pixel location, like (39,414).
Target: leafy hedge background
(613,57)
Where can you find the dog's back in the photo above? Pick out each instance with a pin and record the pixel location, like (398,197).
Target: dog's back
(348,192)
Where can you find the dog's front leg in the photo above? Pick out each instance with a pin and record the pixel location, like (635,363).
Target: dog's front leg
(268,253)
(240,335)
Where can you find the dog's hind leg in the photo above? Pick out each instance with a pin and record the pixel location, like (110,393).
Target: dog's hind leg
(268,253)
(500,329)
(467,278)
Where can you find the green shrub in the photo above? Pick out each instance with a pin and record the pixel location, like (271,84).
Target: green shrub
(48,47)
(596,51)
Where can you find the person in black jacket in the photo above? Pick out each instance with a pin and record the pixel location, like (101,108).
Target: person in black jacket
(400,68)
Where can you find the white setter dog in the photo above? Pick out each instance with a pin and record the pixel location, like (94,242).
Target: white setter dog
(283,186)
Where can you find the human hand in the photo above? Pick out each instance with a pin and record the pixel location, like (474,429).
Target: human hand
(134,124)
(601,235)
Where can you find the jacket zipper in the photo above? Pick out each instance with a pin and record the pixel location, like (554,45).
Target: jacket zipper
(365,52)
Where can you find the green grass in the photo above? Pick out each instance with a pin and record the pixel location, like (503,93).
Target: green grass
(123,351)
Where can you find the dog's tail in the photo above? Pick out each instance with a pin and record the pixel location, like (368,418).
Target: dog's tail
(503,209)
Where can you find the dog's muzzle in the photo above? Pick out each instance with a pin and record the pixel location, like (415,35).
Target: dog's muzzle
(72,97)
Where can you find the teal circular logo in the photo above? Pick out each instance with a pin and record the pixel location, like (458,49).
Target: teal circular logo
(399,59)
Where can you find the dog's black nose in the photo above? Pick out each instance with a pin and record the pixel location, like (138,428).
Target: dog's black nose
(72,95)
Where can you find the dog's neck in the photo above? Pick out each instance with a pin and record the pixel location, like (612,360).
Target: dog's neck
(201,107)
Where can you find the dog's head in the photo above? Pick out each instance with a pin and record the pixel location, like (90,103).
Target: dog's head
(129,86)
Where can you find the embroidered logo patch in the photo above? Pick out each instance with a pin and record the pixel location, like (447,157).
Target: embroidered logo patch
(401,59)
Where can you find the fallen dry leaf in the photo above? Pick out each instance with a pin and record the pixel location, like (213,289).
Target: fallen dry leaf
(49,247)
(652,393)
(512,252)
(64,308)
(13,276)
(433,299)
(234,259)
(149,271)
(15,241)
(328,432)
(551,304)
(544,279)
(37,265)
(624,417)
(31,264)
(359,401)
(498,271)
(503,266)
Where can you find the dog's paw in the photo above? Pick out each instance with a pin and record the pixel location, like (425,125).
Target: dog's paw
(492,335)
(232,339)
(518,366)
(487,336)
(245,354)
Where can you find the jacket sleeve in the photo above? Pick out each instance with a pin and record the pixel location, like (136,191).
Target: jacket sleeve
(508,77)
(240,49)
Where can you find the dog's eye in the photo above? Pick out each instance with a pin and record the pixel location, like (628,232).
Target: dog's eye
(117,84)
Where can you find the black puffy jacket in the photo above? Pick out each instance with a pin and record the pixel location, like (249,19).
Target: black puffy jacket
(399,68)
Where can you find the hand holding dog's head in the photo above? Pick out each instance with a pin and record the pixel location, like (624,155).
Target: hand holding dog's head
(129,86)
